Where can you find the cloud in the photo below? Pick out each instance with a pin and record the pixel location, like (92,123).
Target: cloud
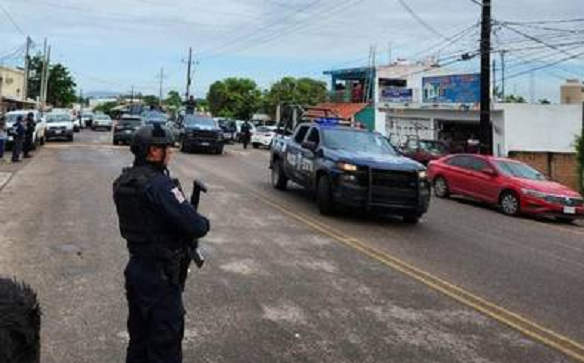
(127,41)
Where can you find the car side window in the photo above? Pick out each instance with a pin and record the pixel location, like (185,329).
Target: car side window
(460,162)
(300,134)
(478,164)
(314,136)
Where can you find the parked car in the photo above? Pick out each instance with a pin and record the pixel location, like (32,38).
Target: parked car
(424,151)
(39,136)
(125,128)
(59,126)
(102,121)
(238,132)
(263,136)
(151,117)
(512,185)
(229,129)
(201,133)
(86,119)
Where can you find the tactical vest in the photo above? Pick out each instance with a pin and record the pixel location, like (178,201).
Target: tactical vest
(145,229)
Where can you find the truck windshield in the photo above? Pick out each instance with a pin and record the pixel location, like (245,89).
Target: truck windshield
(199,121)
(357,141)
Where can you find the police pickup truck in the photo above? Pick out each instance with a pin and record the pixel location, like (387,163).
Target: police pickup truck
(351,167)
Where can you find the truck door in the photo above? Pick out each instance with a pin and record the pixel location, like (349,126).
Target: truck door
(293,154)
(308,162)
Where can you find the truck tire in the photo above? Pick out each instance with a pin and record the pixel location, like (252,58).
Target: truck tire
(279,178)
(324,196)
(411,219)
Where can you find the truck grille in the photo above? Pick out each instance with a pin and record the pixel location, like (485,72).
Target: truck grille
(203,135)
(388,187)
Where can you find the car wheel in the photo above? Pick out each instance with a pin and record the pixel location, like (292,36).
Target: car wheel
(70,138)
(566,220)
(509,203)
(411,219)
(255,145)
(324,196)
(441,189)
(220,150)
(279,179)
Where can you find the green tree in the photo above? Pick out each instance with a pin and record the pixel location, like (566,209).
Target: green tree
(303,91)
(579,146)
(544,101)
(514,99)
(106,107)
(150,100)
(173,100)
(61,85)
(235,98)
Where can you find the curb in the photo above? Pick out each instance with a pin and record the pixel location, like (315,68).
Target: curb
(4,179)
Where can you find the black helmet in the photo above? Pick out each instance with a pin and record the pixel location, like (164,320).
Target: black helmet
(150,135)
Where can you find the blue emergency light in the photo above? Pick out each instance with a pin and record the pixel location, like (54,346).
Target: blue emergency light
(328,121)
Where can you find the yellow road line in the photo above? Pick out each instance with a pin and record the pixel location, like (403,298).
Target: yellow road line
(529,328)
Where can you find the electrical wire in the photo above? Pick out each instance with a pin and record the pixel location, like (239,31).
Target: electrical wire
(420,20)
(16,26)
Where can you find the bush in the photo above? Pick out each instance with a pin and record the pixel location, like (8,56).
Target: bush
(580,157)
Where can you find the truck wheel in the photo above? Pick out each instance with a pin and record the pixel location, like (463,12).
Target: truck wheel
(183,148)
(279,179)
(324,196)
(255,145)
(411,219)
(220,150)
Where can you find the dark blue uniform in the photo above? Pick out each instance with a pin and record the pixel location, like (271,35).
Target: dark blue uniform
(19,132)
(157,221)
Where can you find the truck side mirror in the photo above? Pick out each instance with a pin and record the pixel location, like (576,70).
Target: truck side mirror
(309,145)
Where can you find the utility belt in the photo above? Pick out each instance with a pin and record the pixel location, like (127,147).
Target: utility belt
(170,262)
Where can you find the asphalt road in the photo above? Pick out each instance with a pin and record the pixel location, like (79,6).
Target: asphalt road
(284,284)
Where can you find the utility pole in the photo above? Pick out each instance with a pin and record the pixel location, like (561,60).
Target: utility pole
(43,75)
(503,74)
(188,91)
(47,76)
(494,67)
(485,120)
(80,107)
(161,84)
(26,69)
(531,87)
(390,55)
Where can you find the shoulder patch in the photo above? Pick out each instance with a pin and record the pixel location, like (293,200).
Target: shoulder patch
(178,195)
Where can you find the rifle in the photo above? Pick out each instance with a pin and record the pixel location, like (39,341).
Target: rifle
(194,253)
(191,252)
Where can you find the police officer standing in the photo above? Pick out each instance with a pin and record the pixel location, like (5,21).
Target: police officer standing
(18,130)
(29,135)
(245,133)
(157,221)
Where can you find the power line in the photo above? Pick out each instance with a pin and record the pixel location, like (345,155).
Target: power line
(420,20)
(16,26)
(549,65)
(278,33)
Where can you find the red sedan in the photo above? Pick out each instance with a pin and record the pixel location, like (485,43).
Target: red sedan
(514,186)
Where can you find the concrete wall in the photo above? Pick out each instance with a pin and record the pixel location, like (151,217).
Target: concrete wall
(560,167)
(540,128)
(12,83)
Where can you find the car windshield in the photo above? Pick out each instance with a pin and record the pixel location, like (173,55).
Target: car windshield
(357,141)
(130,121)
(518,170)
(265,129)
(102,117)
(58,118)
(199,121)
(434,147)
(11,118)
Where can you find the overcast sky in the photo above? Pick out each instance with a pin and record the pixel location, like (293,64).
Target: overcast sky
(114,44)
